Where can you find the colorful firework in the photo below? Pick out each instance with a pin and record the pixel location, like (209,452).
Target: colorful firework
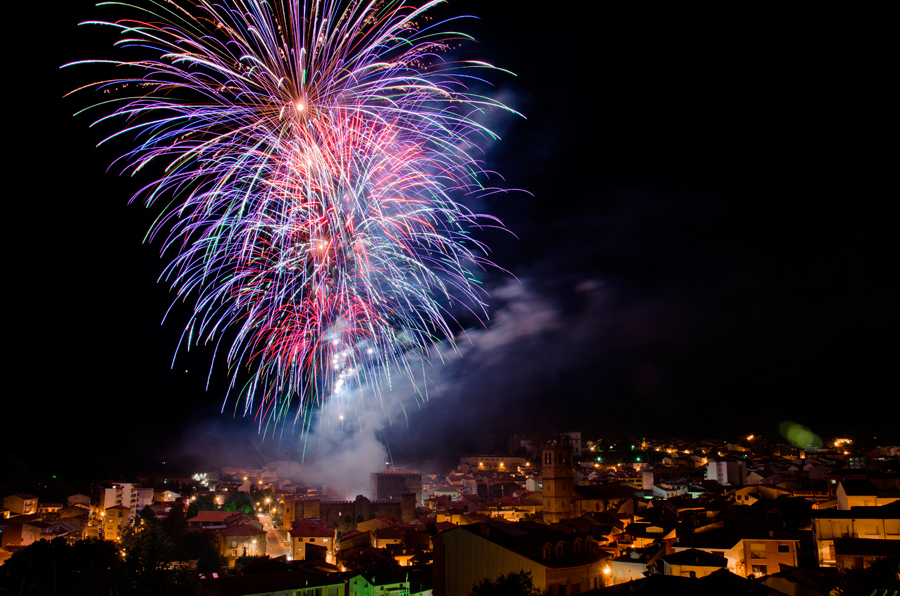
(312,152)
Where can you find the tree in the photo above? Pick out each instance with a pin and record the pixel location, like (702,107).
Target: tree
(881,575)
(210,560)
(148,514)
(148,553)
(245,560)
(86,568)
(239,501)
(175,523)
(514,584)
(201,503)
(535,517)
(96,567)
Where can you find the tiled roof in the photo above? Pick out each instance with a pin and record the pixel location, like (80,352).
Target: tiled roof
(211,516)
(242,530)
(529,541)
(310,529)
(697,558)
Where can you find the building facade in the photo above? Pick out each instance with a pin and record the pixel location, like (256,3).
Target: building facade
(345,515)
(558,479)
(561,563)
(389,486)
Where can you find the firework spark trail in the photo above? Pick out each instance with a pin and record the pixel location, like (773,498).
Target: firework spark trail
(312,151)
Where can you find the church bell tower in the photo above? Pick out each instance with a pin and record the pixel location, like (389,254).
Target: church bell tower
(558,478)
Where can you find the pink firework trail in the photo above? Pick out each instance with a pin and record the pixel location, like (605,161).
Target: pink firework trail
(312,154)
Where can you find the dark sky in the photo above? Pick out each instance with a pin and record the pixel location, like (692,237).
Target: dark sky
(706,249)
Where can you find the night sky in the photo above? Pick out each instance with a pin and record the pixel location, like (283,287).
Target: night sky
(705,246)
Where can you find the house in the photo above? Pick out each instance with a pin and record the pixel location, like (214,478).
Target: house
(727,470)
(115,519)
(748,495)
(872,523)
(20,534)
(634,564)
(561,562)
(860,553)
(128,494)
(748,552)
(80,500)
(640,535)
(299,582)
(390,582)
(48,508)
(866,493)
(804,582)
(22,504)
(691,563)
(240,540)
(313,539)
(216,520)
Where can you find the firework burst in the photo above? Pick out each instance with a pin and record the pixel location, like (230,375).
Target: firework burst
(312,152)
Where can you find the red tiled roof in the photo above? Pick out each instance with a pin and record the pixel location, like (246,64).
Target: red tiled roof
(441,526)
(389,533)
(242,530)
(311,528)
(212,516)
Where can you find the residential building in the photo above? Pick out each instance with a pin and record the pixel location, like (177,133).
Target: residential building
(241,540)
(48,508)
(79,499)
(131,495)
(388,486)
(866,493)
(500,463)
(313,539)
(389,582)
(871,523)
(298,582)
(21,534)
(691,563)
(563,563)
(860,553)
(21,504)
(747,552)
(216,520)
(115,519)
(634,564)
(575,439)
(727,471)
(347,514)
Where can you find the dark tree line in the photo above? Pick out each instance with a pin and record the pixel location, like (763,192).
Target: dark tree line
(97,567)
(150,561)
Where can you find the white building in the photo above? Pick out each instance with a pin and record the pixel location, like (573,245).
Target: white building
(127,494)
(727,471)
(575,436)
